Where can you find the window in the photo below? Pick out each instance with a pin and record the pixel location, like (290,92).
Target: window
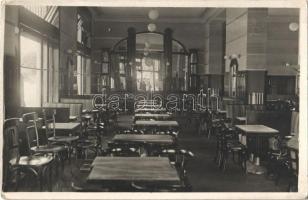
(82,76)
(39,61)
(83,31)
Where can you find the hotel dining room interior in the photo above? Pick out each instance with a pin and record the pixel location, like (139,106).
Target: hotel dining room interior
(150,99)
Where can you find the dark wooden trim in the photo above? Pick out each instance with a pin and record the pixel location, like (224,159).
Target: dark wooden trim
(38,24)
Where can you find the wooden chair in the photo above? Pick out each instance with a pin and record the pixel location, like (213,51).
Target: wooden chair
(293,170)
(36,146)
(67,141)
(230,144)
(36,165)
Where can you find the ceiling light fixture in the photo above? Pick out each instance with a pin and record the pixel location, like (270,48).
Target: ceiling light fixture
(153,14)
(151,27)
(293,26)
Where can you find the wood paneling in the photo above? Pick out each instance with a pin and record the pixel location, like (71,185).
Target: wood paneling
(216,47)
(238,46)
(237,29)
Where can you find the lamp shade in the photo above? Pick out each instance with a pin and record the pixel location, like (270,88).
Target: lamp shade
(151,27)
(153,14)
(293,26)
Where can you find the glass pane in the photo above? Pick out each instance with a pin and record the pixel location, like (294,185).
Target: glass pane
(45,72)
(105,68)
(30,51)
(150,42)
(158,82)
(193,58)
(105,56)
(79,28)
(112,83)
(77,85)
(147,64)
(55,74)
(139,80)
(122,83)
(30,80)
(121,68)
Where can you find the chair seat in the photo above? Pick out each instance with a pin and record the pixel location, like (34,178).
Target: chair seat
(63,138)
(48,148)
(32,161)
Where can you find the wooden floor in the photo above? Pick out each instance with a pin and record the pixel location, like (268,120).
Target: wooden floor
(203,173)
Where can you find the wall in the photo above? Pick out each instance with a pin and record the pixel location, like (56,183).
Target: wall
(190,34)
(282,44)
(68,40)
(11,62)
(216,47)
(236,35)
(263,39)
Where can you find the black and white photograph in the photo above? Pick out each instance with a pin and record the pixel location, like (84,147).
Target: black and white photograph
(154,98)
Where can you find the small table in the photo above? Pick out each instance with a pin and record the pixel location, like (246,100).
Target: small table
(145,123)
(119,170)
(137,138)
(257,131)
(65,127)
(151,116)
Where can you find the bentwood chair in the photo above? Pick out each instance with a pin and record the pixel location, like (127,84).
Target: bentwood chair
(50,131)
(34,141)
(293,170)
(15,164)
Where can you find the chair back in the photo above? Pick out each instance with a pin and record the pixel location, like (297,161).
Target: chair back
(10,145)
(49,119)
(30,120)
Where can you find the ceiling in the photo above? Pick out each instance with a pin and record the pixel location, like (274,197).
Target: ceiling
(121,13)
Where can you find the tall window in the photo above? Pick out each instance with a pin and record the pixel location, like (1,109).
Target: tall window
(82,76)
(39,63)
(83,30)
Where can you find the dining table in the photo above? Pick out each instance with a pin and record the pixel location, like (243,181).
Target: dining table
(259,134)
(156,116)
(123,170)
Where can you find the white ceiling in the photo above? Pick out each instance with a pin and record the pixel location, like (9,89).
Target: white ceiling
(142,13)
